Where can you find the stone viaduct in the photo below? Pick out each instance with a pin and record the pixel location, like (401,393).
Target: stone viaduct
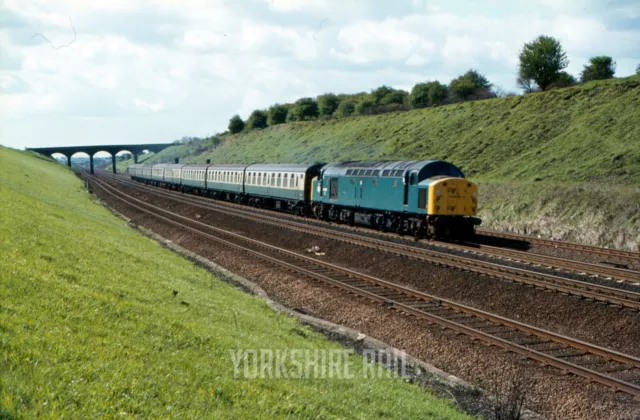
(135,149)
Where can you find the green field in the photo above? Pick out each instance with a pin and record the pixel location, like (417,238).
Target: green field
(89,326)
(564,163)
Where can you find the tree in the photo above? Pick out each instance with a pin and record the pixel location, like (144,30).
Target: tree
(599,68)
(472,83)
(236,124)
(478,80)
(305,109)
(394,97)
(425,94)
(379,93)
(291,115)
(542,60)
(277,114)
(328,103)
(638,69)
(346,108)
(419,96)
(462,88)
(257,119)
(528,85)
(437,93)
(365,106)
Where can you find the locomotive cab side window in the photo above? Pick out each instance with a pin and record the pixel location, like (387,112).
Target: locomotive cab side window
(333,188)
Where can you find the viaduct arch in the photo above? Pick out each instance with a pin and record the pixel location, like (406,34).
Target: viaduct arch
(68,151)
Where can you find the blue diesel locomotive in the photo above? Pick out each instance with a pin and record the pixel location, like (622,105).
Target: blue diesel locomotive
(421,198)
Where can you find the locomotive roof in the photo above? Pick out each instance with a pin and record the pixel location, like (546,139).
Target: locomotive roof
(405,165)
(281,167)
(161,165)
(424,168)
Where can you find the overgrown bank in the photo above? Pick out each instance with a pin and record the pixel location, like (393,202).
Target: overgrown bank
(584,134)
(98,321)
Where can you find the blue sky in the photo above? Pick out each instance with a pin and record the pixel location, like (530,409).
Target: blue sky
(153,71)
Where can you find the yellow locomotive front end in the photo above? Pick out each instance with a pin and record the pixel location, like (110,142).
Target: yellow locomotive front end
(451,206)
(452,197)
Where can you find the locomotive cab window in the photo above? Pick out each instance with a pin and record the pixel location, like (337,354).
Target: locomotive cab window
(333,188)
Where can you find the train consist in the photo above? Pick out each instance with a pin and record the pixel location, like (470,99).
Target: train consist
(421,198)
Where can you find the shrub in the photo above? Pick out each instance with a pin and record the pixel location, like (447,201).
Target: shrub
(419,97)
(599,68)
(347,107)
(394,97)
(365,107)
(564,79)
(236,124)
(379,93)
(305,109)
(328,103)
(471,85)
(277,114)
(257,119)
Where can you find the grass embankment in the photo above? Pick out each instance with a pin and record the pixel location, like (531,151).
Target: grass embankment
(563,150)
(89,326)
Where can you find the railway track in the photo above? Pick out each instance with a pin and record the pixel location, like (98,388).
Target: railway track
(618,253)
(586,268)
(583,289)
(610,368)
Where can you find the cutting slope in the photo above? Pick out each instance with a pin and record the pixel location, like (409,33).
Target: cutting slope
(584,133)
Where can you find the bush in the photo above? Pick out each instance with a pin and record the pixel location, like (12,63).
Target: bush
(437,93)
(599,68)
(277,114)
(328,103)
(563,80)
(236,124)
(365,107)
(509,390)
(419,97)
(257,119)
(462,88)
(429,93)
(471,85)
(394,97)
(346,108)
(304,109)
(379,93)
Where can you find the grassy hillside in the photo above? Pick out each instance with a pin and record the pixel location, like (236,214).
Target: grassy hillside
(546,161)
(89,327)
(584,133)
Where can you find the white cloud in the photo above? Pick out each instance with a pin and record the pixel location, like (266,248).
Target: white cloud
(169,68)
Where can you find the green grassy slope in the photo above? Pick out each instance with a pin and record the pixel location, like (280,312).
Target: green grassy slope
(584,133)
(89,327)
(545,160)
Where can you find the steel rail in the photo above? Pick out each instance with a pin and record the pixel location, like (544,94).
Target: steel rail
(606,294)
(621,253)
(600,270)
